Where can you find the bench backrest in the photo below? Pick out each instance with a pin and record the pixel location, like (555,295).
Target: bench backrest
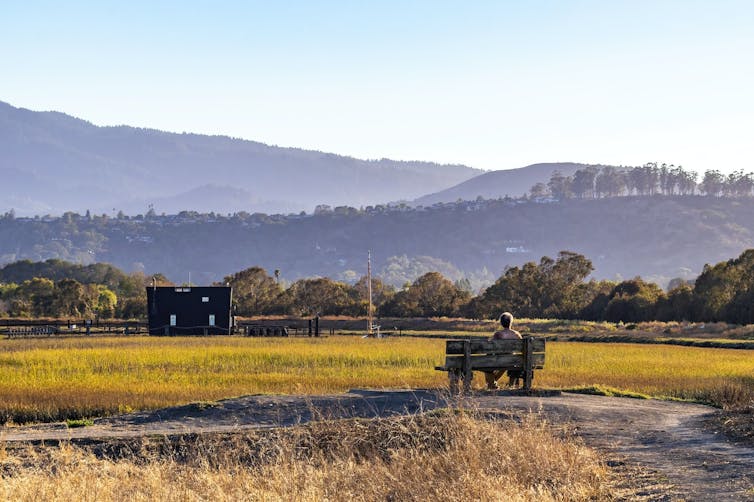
(494,354)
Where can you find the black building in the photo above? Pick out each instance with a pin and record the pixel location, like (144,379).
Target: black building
(189,310)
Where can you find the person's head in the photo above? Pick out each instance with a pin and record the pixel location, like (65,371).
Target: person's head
(506,319)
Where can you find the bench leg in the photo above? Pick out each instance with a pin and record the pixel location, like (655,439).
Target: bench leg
(528,362)
(528,377)
(467,377)
(453,378)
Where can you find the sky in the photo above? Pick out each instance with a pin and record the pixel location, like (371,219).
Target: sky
(490,84)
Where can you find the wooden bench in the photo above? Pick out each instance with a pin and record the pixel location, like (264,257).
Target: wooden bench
(462,357)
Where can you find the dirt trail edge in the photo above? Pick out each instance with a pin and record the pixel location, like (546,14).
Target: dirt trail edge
(669,438)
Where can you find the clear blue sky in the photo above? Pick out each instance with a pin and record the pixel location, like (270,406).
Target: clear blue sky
(495,85)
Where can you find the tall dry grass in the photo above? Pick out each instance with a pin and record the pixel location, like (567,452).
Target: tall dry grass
(434,457)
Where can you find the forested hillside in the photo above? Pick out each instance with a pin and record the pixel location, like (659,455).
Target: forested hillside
(657,237)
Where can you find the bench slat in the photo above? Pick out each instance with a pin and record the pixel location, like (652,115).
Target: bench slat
(493,346)
(498,361)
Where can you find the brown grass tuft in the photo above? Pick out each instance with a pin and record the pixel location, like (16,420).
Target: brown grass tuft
(437,456)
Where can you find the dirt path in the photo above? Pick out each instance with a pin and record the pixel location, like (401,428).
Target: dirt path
(668,438)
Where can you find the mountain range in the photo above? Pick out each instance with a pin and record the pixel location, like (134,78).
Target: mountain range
(51,162)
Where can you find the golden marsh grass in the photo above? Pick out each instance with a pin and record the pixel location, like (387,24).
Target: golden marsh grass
(54,379)
(656,370)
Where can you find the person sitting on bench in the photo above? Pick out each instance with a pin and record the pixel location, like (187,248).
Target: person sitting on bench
(491,377)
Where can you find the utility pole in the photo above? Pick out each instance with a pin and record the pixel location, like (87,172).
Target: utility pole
(369,290)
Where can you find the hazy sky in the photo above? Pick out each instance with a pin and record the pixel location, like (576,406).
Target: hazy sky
(495,85)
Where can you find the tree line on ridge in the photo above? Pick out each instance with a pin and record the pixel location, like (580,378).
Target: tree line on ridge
(592,182)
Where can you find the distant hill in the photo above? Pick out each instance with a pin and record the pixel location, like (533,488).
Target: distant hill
(657,237)
(51,162)
(494,184)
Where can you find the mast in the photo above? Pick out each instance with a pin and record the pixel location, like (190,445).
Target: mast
(369,290)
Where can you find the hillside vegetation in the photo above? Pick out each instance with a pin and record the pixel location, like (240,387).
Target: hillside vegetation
(656,237)
(555,288)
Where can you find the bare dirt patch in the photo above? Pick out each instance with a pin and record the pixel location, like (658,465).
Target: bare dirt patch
(663,450)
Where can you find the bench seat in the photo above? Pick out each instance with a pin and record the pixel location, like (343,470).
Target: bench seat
(462,357)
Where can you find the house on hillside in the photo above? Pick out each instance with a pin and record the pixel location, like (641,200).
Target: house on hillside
(185,310)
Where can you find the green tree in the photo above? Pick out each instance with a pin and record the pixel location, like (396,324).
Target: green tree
(610,182)
(131,308)
(599,296)
(381,293)
(34,297)
(7,293)
(559,185)
(721,291)
(552,288)
(677,305)
(70,299)
(712,183)
(320,296)
(106,303)
(254,291)
(583,182)
(538,190)
(633,301)
(431,295)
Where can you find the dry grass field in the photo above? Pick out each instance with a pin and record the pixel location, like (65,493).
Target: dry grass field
(56,379)
(440,456)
